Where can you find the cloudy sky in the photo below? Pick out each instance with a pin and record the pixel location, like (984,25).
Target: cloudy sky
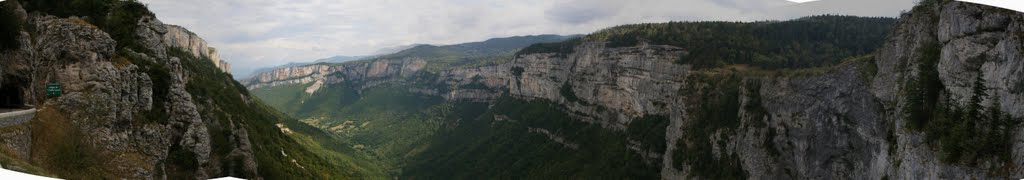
(260,33)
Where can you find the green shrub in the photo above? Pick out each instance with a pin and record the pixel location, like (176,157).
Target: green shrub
(923,92)
(566,91)
(181,162)
(967,135)
(718,112)
(518,71)
(973,134)
(123,22)
(650,131)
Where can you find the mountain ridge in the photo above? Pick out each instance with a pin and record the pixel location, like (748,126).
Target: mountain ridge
(906,110)
(142,100)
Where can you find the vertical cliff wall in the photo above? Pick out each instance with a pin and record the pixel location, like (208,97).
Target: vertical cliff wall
(852,120)
(979,47)
(178,37)
(155,104)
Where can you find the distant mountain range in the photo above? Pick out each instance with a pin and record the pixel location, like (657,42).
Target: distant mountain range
(472,50)
(490,47)
(389,50)
(335,59)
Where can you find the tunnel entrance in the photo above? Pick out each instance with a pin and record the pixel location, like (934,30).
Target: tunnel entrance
(11,93)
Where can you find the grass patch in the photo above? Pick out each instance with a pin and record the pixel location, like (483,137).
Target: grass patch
(62,148)
(82,22)
(9,160)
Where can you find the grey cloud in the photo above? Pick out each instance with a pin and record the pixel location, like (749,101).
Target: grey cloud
(752,5)
(260,33)
(889,8)
(578,12)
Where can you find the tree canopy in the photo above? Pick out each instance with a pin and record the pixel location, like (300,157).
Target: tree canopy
(806,42)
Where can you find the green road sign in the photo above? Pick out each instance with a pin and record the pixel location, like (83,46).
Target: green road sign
(53,89)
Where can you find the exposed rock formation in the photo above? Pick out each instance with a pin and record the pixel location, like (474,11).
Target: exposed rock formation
(179,37)
(224,66)
(841,123)
(486,81)
(630,81)
(974,38)
(105,100)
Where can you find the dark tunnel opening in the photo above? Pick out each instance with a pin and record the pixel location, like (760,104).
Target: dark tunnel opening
(12,93)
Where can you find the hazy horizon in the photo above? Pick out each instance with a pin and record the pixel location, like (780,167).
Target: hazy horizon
(264,33)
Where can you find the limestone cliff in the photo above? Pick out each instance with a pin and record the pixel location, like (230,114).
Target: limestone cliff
(367,72)
(136,113)
(831,125)
(975,40)
(179,37)
(104,97)
(841,122)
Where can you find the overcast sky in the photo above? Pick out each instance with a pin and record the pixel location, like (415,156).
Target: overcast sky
(260,33)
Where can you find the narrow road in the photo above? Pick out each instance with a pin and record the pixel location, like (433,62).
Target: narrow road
(10,117)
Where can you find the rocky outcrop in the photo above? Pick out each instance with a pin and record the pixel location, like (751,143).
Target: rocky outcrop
(107,98)
(833,125)
(630,82)
(179,37)
(614,86)
(480,84)
(826,126)
(975,40)
(288,75)
(473,84)
(16,141)
(841,122)
(98,95)
(224,66)
(158,37)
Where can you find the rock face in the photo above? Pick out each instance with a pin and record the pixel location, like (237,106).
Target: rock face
(842,123)
(105,100)
(224,66)
(179,37)
(975,40)
(631,81)
(367,74)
